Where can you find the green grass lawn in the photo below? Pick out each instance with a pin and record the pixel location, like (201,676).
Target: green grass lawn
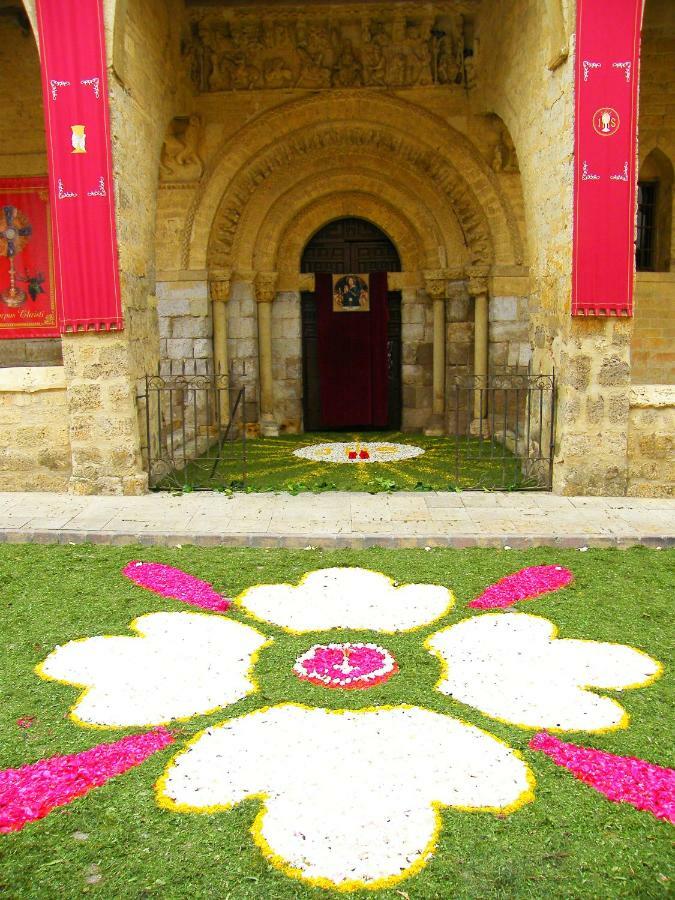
(570,842)
(448,463)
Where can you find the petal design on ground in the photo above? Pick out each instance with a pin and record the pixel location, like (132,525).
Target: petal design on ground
(512,667)
(34,790)
(528,584)
(349,797)
(176,584)
(622,779)
(181,664)
(347,598)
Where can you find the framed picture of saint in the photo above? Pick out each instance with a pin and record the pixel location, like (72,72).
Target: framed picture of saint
(351,293)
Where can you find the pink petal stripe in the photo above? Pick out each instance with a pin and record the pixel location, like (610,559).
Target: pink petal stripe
(524,585)
(34,790)
(622,779)
(170,582)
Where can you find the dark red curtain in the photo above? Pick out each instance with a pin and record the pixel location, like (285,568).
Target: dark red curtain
(353,358)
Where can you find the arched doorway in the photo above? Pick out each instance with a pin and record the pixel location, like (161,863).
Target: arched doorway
(368,355)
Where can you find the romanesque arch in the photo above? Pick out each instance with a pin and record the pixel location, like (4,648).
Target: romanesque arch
(290,137)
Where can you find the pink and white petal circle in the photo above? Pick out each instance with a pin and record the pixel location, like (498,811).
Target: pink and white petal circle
(349,797)
(348,666)
(178,664)
(512,667)
(377,452)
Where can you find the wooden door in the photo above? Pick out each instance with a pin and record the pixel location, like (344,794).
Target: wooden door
(349,245)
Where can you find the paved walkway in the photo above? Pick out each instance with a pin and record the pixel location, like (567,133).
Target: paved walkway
(468,519)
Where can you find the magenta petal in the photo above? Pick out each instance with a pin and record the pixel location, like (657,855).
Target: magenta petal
(33,791)
(622,779)
(524,585)
(170,582)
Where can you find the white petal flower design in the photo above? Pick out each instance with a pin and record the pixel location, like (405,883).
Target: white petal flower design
(350,798)
(512,667)
(180,664)
(347,598)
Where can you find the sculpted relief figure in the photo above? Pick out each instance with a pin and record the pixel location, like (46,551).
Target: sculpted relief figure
(348,68)
(180,158)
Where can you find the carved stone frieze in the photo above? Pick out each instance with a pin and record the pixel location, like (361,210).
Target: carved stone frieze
(254,48)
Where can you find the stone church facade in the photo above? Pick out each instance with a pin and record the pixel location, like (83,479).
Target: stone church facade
(241,130)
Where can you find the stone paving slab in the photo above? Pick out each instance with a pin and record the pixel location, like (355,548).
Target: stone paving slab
(340,519)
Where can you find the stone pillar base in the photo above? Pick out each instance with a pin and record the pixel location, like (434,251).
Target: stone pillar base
(268,427)
(435,428)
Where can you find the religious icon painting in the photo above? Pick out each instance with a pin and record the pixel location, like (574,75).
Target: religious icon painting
(27,300)
(351,293)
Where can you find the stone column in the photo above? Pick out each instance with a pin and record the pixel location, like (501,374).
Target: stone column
(435,284)
(478,290)
(219,288)
(265,292)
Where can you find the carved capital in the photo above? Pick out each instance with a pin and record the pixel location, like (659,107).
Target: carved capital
(219,285)
(266,286)
(436,282)
(478,280)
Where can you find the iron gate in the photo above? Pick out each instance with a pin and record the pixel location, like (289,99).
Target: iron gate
(194,422)
(500,431)
(505,422)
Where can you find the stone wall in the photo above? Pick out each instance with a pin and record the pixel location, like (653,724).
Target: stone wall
(286,359)
(417,334)
(242,344)
(653,341)
(651,441)
(34,443)
(528,58)
(185,326)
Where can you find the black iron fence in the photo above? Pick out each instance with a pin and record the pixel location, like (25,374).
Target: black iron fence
(502,429)
(194,422)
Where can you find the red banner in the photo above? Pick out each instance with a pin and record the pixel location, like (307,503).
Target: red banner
(27,297)
(606,79)
(75,92)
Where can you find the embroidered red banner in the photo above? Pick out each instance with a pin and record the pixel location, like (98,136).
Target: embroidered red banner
(27,296)
(75,92)
(606,78)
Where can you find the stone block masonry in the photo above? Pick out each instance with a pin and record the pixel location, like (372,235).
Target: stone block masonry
(185,325)
(35,452)
(651,441)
